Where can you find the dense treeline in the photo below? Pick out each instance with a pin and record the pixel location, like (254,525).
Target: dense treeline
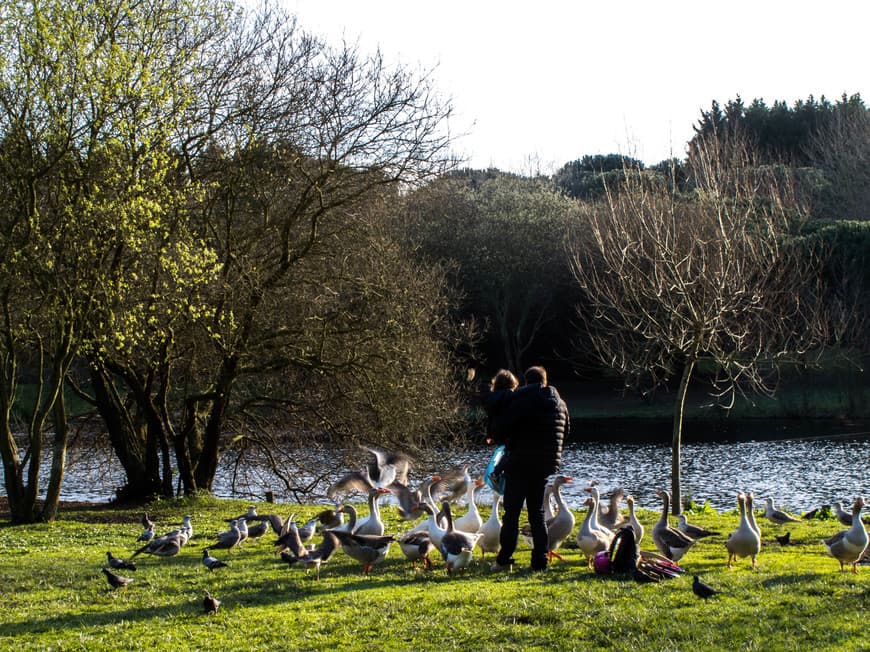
(821,148)
(218,230)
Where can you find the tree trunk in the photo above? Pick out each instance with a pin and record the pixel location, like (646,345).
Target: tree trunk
(20,510)
(206,466)
(58,459)
(135,449)
(677,440)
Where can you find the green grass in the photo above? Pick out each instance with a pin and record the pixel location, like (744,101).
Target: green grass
(54,596)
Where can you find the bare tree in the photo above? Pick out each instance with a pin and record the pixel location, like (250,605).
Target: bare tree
(841,149)
(671,280)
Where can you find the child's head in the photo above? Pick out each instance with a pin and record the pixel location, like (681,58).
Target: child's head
(503,379)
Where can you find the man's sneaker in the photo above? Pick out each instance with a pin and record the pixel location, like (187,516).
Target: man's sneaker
(499,568)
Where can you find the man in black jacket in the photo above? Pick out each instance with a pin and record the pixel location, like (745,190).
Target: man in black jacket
(532,427)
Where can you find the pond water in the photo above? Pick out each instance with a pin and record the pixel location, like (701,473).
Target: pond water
(799,473)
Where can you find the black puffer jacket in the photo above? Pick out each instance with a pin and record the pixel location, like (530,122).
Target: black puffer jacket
(532,427)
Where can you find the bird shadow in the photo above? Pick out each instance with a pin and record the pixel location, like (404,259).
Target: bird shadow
(790,580)
(98,619)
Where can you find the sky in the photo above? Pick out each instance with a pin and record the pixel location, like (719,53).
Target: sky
(536,85)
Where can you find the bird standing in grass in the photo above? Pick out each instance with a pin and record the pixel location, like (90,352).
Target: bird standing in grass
(314,558)
(703,590)
(116,581)
(777,516)
(367,549)
(211,562)
(848,546)
(694,531)
(119,564)
(147,534)
(210,604)
(229,539)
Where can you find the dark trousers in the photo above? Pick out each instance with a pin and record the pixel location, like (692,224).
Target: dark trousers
(523,487)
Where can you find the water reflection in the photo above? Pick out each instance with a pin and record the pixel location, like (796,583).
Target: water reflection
(799,473)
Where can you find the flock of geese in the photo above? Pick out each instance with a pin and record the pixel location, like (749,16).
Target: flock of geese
(432,504)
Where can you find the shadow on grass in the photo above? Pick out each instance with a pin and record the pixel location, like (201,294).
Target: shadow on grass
(283,585)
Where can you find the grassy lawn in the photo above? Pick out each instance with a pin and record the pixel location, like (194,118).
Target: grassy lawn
(55,597)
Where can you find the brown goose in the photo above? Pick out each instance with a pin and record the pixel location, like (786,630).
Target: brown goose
(367,549)
(672,543)
(386,469)
(452,485)
(848,546)
(409,499)
(289,539)
(744,541)
(417,546)
(314,558)
(457,547)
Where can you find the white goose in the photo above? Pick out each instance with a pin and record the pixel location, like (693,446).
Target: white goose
(372,524)
(672,543)
(549,513)
(417,546)
(561,525)
(848,546)
(609,516)
(471,521)
(595,521)
(592,539)
(433,527)
(750,513)
(632,519)
(744,541)
(491,529)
